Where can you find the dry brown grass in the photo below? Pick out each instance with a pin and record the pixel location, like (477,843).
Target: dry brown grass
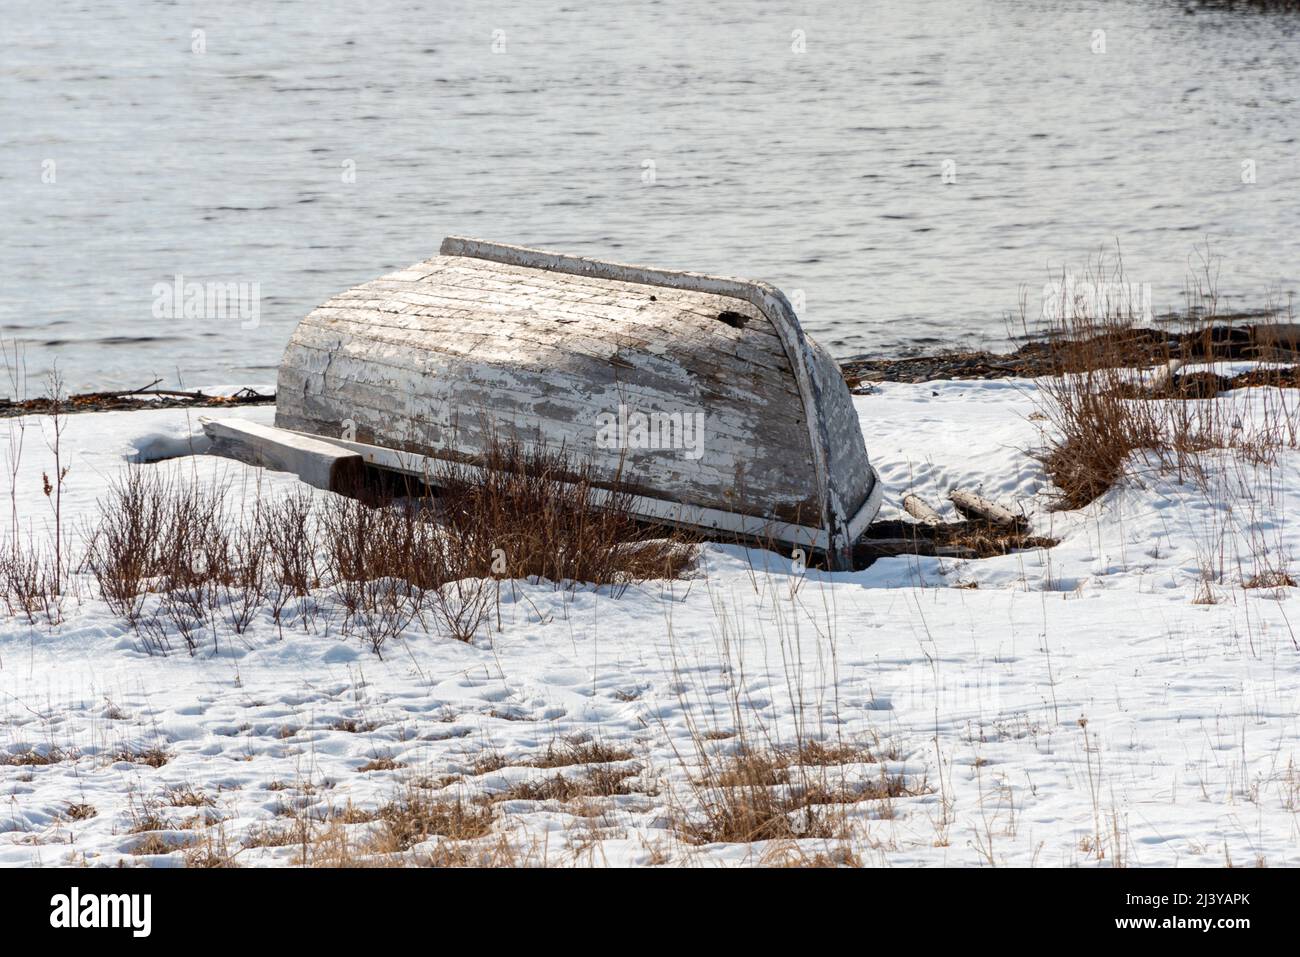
(557,755)
(785,794)
(185,796)
(489,762)
(549,519)
(154,844)
(381,564)
(501,852)
(289,529)
(790,854)
(381,764)
(421,828)
(1101,414)
(353,726)
(441,544)
(820,754)
(154,757)
(1270,579)
(204,555)
(337,846)
(782,795)
(417,818)
(34,570)
(30,583)
(189,560)
(145,822)
(34,759)
(594,782)
(354,837)
(124,554)
(297,832)
(579,752)
(210,853)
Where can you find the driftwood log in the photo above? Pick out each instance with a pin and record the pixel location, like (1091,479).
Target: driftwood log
(978,507)
(920,510)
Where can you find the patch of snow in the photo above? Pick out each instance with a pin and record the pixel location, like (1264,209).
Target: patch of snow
(1041,697)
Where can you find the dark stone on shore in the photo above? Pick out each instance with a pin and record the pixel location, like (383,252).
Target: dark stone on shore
(1135,348)
(1198,385)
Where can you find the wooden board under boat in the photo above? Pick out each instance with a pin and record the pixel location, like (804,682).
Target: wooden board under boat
(487,342)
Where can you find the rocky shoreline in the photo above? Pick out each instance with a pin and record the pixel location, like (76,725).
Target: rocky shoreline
(1136,348)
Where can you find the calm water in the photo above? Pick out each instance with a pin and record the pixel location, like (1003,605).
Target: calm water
(821,171)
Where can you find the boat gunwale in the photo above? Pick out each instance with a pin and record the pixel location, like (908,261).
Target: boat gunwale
(642,506)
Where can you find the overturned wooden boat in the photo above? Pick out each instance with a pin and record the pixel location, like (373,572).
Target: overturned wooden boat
(701,396)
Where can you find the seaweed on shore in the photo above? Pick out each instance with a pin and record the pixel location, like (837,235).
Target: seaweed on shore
(1138,347)
(129,400)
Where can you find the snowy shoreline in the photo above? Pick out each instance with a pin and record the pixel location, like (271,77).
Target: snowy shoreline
(1083,705)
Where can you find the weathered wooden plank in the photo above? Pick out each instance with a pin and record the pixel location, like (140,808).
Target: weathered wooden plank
(319,463)
(553,346)
(643,472)
(727,463)
(724,446)
(730,453)
(635,374)
(633,370)
(526,289)
(734,410)
(507,278)
(651,320)
(761,529)
(636,333)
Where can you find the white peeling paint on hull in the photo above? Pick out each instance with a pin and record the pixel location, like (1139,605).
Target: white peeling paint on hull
(486,342)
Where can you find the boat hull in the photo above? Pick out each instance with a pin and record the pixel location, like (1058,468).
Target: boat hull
(699,395)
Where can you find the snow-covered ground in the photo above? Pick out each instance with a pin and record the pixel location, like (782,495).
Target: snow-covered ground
(1094,704)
